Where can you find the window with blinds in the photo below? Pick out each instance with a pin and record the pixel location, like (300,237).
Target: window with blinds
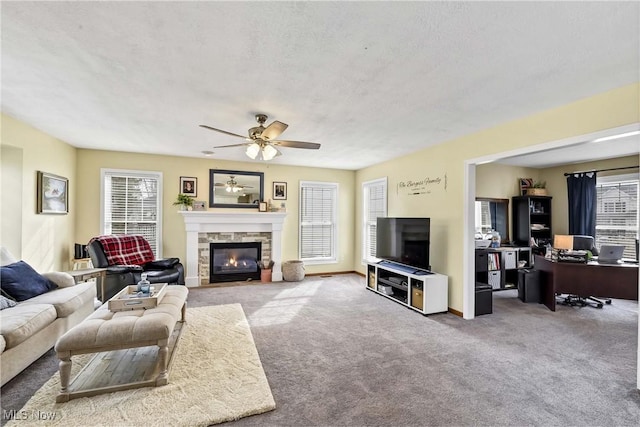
(617,214)
(318,221)
(374,200)
(131,205)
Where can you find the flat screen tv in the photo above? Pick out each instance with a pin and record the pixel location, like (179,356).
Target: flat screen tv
(404,241)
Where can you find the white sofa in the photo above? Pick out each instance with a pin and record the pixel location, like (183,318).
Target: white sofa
(32,327)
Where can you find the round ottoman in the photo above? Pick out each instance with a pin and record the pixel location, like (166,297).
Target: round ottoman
(293,271)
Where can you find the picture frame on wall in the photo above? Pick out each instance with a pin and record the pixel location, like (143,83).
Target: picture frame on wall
(189,185)
(53,194)
(279,191)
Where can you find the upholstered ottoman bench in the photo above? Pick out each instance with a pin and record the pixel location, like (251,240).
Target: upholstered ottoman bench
(107,331)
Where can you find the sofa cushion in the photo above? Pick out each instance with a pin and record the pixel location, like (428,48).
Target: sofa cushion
(3,344)
(60,278)
(107,328)
(22,282)
(66,300)
(6,302)
(22,321)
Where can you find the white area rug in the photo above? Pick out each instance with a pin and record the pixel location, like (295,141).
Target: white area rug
(217,376)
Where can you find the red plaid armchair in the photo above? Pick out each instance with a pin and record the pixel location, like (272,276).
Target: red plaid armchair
(126,257)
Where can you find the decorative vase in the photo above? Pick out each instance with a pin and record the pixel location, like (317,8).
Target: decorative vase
(265,275)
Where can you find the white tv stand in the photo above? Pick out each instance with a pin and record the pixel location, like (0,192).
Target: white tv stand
(420,290)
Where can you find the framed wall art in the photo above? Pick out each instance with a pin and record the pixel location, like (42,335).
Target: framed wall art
(279,191)
(199,205)
(189,186)
(53,194)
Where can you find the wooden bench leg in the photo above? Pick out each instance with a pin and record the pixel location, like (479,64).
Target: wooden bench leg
(163,361)
(65,374)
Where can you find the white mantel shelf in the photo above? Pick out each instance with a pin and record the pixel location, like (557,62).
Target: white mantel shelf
(218,222)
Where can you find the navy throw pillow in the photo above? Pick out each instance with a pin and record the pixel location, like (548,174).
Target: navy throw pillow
(22,282)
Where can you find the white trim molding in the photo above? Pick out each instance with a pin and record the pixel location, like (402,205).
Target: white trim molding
(217,222)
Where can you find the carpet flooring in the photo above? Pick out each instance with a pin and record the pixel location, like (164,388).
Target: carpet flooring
(337,354)
(216,376)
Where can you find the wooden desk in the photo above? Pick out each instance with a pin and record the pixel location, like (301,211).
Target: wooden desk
(99,274)
(591,279)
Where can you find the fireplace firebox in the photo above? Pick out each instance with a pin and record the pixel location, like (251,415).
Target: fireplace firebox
(230,262)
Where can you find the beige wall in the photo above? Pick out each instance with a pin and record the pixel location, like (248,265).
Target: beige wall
(609,110)
(501,181)
(557,185)
(91,161)
(498,181)
(46,241)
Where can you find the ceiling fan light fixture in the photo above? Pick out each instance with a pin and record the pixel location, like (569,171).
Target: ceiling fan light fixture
(253,150)
(269,152)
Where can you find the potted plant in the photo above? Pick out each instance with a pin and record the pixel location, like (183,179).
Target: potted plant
(538,189)
(185,202)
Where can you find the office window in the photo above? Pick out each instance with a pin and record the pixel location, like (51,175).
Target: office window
(318,222)
(374,200)
(617,214)
(131,205)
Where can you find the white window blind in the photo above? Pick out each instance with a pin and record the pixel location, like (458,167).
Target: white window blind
(131,205)
(318,211)
(374,199)
(617,214)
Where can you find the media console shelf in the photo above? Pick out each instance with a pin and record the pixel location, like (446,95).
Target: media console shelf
(422,291)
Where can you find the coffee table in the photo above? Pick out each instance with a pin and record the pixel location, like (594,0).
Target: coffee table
(134,348)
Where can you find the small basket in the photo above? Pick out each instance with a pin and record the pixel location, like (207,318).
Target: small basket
(536,191)
(293,271)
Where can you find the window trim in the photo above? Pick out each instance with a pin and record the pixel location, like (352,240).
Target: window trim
(364,255)
(334,249)
(137,174)
(620,178)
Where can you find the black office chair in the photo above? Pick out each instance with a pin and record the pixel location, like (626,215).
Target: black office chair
(583,243)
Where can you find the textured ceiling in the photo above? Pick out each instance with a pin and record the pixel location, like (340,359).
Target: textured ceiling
(369,81)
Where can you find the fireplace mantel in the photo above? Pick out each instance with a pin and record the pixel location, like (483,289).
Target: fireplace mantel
(216,222)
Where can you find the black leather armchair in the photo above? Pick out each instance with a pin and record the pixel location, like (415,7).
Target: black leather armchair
(168,270)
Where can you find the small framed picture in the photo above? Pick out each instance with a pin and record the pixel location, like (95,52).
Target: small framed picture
(199,205)
(189,186)
(279,191)
(53,194)
(262,207)
(525,184)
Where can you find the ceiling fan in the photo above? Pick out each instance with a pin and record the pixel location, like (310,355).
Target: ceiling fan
(261,140)
(232,185)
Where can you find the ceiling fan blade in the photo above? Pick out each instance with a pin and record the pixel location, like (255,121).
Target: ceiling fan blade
(234,145)
(274,130)
(297,144)
(223,131)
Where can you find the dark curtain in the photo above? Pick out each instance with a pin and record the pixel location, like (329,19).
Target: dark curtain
(581,190)
(493,211)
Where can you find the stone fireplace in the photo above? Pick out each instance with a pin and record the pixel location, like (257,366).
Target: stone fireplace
(205,227)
